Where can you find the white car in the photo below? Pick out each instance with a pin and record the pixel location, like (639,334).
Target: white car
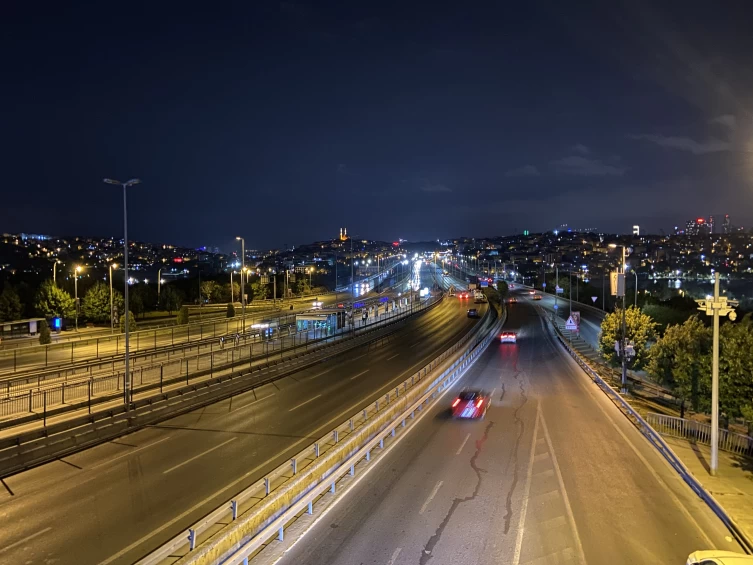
(317,305)
(718,557)
(508,337)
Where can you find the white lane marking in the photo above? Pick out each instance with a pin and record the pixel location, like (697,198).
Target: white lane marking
(304,403)
(352,485)
(359,374)
(389,359)
(394,555)
(24,540)
(431,497)
(566,500)
(195,457)
(252,403)
(326,425)
(415,344)
(131,452)
(526,493)
(354,358)
(322,373)
(462,445)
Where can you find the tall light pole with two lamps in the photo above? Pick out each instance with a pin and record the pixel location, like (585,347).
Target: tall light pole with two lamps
(716,307)
(127,394)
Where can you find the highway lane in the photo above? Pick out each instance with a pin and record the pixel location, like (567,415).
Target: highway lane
(40,356)
(121,499)
(554,474)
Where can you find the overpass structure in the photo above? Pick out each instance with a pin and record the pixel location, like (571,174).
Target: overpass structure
(555,473)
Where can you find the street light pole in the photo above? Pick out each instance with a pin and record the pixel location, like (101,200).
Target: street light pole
(636,288)
(624,327)
(127,377)
(54,273)
(112,305)
(718,306)
(159,284)
(243,284)
(75,290)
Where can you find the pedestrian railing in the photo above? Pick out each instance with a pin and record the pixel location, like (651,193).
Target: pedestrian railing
(700,432)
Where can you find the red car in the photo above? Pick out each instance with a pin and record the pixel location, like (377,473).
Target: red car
(463,295)
(470,404)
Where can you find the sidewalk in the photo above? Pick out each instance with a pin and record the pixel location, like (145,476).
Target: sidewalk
(732,487)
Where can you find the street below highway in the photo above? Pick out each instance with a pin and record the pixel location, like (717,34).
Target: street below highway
(115,502)
(554,474)
(113,347)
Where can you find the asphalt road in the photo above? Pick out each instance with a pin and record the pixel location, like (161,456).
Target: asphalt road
(115,502)
(554,474)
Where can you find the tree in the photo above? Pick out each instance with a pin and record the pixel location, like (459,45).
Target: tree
(10,304)
(261,291)
(182,317)
(736,367)
(142,298)
(135,303)
(220,293)
(640,330)
(44,333)
(170,299)
(502,289)
(132,327)
(52,301)
(230,310)
(96,303)
(206,289)
(665,315)
(681,361)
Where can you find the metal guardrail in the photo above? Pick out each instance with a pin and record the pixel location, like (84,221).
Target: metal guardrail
(94,389)
(57,440)
(700,432)
(658,442)
(322,463)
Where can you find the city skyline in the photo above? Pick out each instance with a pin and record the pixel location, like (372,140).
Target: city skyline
(492,121)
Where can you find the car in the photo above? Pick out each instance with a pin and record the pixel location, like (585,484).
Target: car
(537,297)
(718,557)
(473,313)
(470,404)
(512,300)
(511,286)
(463,295)
(531,292)
(508,337)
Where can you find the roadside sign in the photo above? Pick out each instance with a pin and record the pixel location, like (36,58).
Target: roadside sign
(571,325)
(559,290)
(576,317)
(556,307)
(593,298)
(543,285)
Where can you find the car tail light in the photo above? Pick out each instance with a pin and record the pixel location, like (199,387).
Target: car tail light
(479,403)
(457,401)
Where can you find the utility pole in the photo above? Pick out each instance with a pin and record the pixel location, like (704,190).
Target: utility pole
(243,285)
(718,306)
(624,328)
(556,286)
(127,394)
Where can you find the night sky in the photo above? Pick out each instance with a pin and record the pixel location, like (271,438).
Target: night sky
(282,121)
